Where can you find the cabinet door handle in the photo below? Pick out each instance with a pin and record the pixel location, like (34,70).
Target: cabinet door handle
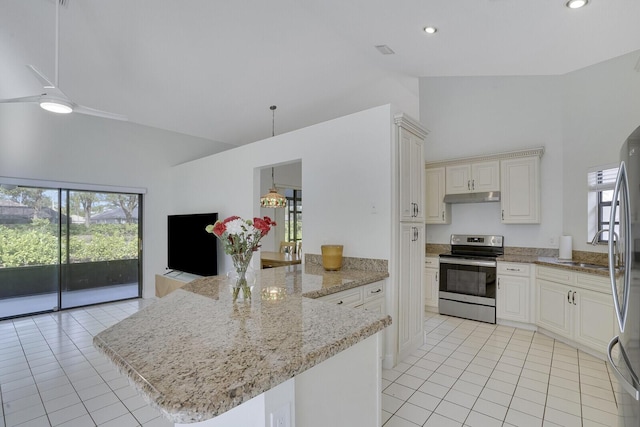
(377,291)
(443,215)
(513,269)
(340,302)
(473,184)
(569,297)
(436,276)
(573,298)
(502,213)
(469,185)
(498,283)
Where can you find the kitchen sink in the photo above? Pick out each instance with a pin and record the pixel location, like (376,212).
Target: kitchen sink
(585,265)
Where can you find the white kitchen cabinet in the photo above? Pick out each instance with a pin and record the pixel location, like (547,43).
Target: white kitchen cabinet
(594,318)
(576,306)
(410,298)
(520,190)
(406,300)
(473,177)
(513,290)
(368,297)
(436,211)
(431,284)
(554,307)
(411,179)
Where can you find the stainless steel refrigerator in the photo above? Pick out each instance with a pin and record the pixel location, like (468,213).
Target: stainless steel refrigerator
(624,269)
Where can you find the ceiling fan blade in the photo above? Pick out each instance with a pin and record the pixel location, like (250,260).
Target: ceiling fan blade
(81,109)
(41,78)
(34,98)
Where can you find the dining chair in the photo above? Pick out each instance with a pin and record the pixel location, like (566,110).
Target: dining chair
(288,247)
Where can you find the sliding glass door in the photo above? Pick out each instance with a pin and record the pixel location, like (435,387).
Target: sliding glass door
(63,248)
(101,258)
(29,249)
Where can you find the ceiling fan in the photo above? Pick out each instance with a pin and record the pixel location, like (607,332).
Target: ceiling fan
(53,99)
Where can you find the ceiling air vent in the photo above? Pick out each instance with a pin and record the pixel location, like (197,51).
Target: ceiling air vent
(384,49)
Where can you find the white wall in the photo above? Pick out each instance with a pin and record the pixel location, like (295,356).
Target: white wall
(581,118)
(346,167)
(603,109)
(470,116)
(35,144)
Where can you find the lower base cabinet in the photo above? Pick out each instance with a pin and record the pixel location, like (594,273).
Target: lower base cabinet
(513,292)
(431,284)
(568,309)
(554,307)
(594,317)
(370,297)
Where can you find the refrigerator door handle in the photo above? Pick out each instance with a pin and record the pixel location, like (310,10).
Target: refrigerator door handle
(625,233)
(629,388)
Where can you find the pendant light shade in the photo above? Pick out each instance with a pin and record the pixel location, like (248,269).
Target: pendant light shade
(273,199)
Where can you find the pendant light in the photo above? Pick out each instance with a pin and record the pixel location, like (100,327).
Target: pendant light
(273,199)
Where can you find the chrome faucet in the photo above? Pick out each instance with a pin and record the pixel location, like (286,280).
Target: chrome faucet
(616,239)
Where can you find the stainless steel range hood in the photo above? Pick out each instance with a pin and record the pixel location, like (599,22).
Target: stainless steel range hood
(488,196)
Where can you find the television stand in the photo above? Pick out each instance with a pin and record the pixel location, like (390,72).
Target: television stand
(169,282)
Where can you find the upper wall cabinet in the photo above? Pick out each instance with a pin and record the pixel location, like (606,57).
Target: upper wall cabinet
(411,170)
(515,174)
(520,190)
(473,177)
(436,210)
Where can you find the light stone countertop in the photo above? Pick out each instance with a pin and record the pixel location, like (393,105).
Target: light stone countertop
(576,265)
(195,354)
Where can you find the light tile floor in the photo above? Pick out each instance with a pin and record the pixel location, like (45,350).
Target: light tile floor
(476,374)
(51,375)
(467,373)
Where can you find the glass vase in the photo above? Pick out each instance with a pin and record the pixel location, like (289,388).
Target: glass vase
(243,278)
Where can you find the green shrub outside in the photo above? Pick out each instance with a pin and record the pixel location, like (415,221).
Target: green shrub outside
(37,243)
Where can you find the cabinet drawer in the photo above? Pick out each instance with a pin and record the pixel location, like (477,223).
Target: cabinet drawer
(432,262)
(373,291)
(555,275)
(514,269)
(375,306)
(594,282)
(350,297)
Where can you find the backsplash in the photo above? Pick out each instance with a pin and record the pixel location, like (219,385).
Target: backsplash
(438,248)
(514,250)
(580,256)
(351,263)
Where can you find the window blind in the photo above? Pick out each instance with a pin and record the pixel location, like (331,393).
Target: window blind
(602,178)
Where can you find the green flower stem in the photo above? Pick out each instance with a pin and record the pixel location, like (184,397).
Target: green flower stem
(241,263)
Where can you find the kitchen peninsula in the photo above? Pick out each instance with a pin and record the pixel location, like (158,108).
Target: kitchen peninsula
(201,358)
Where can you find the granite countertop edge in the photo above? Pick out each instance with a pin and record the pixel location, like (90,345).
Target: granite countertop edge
(187,416)
(556,263)
(184,414)
(355,283)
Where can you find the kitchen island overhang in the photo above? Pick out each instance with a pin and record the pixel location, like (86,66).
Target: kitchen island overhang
(195,354)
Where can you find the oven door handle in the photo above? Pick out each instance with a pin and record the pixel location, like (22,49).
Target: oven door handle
(459,261)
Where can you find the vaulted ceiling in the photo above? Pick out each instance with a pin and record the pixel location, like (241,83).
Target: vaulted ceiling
(212,68)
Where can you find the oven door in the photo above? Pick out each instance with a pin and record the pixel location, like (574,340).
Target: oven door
(468,280)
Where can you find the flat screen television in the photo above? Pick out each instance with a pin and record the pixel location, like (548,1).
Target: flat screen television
(190,248)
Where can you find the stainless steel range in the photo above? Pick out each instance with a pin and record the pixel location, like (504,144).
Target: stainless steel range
(468,277)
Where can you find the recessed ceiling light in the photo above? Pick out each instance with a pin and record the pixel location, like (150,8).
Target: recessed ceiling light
(430,30)
(576,4)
